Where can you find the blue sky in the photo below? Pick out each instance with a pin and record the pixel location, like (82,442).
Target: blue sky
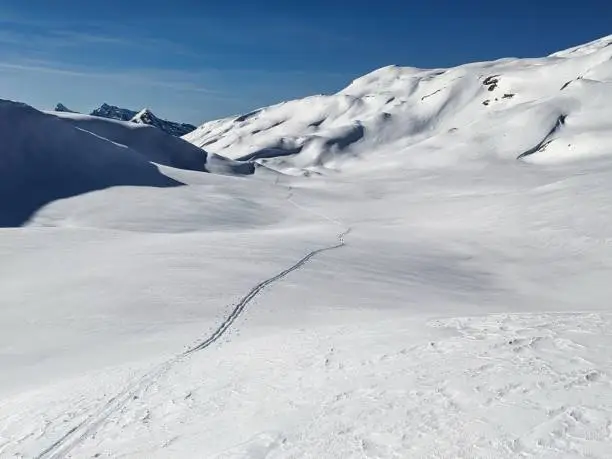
(195,60)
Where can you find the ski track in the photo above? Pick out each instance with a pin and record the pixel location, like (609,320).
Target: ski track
(88,427)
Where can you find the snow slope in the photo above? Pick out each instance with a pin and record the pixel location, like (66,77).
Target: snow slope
(437,298)
(43,159)
(544,110)
(46,157)
(156,145)
(113,112)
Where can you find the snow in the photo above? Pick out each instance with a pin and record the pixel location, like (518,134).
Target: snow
(158,146)
(145,116)
(50,156)
(44,159)
(399,115)
(408,284)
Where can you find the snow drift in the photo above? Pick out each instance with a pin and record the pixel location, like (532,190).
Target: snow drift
(43,158)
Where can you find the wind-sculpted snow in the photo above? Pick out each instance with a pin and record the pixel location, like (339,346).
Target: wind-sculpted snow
(43,159)
(432,118)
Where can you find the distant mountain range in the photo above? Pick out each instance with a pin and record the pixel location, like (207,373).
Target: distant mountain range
(142,117)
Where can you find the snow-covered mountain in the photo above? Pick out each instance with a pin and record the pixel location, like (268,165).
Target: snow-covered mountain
(113,112)
(438,286)
(542,110)
(55,155)
(144,116)
(43,159)
(63,109)
(157,146)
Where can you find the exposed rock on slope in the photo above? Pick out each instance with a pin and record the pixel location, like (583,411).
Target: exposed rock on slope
(62,108)
(113,112)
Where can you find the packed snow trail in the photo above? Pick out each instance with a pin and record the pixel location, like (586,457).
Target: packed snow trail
(243,303)
(90,425)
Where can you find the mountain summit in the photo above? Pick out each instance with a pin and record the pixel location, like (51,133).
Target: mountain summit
(62,108)
(113,112)
(143,117)
(146,116)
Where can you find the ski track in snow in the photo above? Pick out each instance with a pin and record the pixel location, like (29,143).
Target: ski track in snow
(503,385)
(92,423)
(521,238)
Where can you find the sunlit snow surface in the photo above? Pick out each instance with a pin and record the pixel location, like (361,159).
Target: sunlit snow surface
(465,314)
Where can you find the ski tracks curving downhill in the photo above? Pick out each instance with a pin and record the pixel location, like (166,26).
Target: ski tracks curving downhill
(87,427)
(243,303)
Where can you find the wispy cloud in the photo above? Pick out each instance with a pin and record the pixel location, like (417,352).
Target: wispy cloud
(225,39)
(177,80)
(50,39)
(276,31)
(218,67)
(10,37)
(42,33)
(72,38)
(161,78)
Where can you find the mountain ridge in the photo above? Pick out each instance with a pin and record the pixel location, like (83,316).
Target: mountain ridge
(407,115)
(144,116)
